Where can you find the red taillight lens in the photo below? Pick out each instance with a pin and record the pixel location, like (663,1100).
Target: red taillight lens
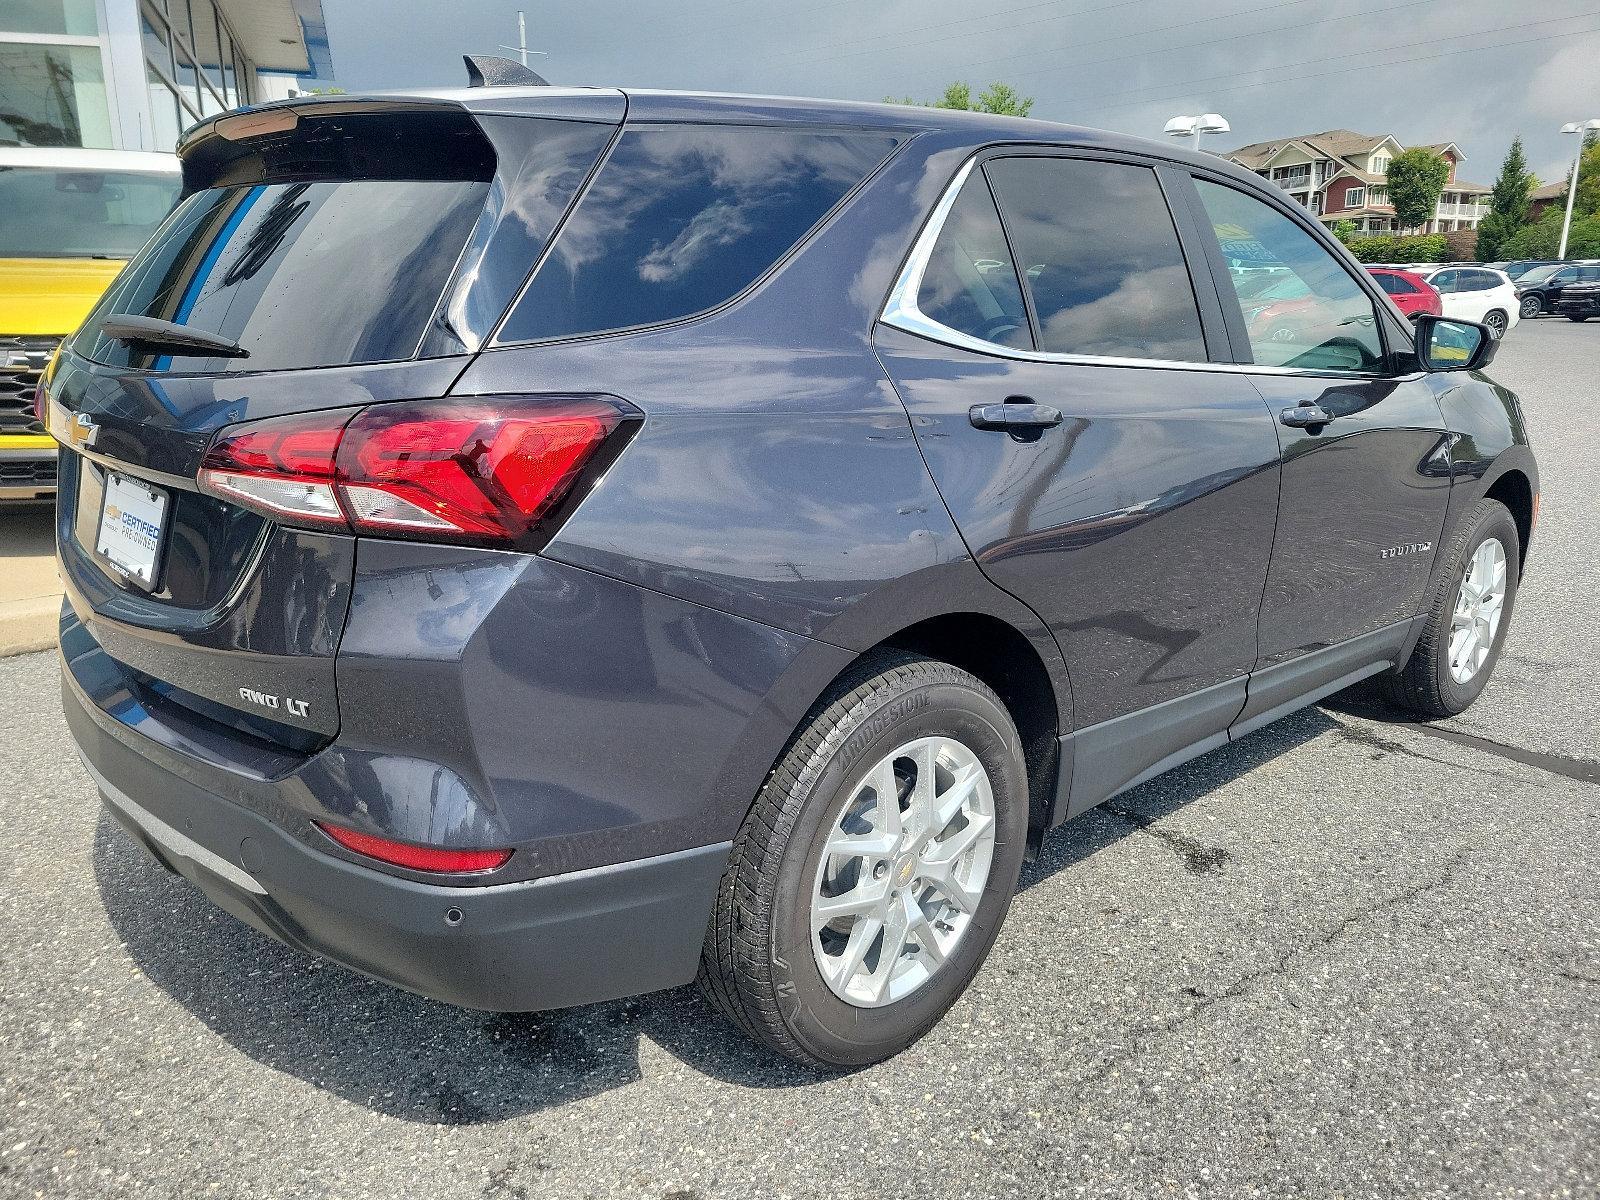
(417,858)
(478,469)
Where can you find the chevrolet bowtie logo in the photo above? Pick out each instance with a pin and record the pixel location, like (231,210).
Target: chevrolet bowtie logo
(82,431)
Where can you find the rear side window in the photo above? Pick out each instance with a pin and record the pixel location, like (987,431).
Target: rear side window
(1101,257)
(682,218)
(970,284)
(1393,284)
(301,274)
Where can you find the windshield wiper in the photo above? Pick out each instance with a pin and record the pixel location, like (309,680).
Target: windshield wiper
(169,337)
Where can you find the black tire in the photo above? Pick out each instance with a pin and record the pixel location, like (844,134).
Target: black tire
(1497,323)
(1532,306)
(1580,318)
(757,965)
(1425,684)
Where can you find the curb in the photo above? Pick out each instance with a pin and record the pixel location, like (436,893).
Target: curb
(28,625)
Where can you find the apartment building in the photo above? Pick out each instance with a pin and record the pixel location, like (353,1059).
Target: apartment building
(1341,175)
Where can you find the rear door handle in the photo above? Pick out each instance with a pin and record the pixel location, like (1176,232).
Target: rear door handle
(1014,414)
(1304,415)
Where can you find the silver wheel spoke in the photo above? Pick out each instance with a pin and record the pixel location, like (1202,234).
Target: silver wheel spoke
(958,843)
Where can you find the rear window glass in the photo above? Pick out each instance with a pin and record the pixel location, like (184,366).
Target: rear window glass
(301,274)
(682,218)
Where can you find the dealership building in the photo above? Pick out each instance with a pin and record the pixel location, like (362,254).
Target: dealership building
(132,74)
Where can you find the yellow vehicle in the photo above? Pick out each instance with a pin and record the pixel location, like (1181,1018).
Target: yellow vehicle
(69,220)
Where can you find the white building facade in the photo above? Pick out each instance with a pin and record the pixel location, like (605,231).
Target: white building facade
(133,74)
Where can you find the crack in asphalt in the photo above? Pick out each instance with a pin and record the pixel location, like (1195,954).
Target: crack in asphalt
(1583,770)
(1198,857)
(1367,737)
(1142,1040)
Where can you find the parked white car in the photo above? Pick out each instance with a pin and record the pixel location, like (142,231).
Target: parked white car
(1476,294)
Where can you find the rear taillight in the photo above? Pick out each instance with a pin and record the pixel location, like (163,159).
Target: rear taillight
(482,469)
(417,858)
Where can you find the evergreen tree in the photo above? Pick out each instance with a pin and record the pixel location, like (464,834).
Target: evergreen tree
(1508,204)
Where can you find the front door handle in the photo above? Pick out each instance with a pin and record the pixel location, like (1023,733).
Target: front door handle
(1304,415)
(1014,415)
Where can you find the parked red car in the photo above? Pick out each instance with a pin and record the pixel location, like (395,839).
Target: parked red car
(1411,293)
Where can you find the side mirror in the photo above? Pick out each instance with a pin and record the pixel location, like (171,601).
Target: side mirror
(1445,344)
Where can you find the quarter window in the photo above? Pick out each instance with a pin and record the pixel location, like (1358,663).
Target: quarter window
(682,218)
(1314,316)
(970,284)
(1100,257)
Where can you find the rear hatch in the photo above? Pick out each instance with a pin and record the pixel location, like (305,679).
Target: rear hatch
(326,257)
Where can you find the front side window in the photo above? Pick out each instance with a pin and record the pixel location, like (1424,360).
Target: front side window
(1101,258)
(1327,323)
(682,218)
(970,284)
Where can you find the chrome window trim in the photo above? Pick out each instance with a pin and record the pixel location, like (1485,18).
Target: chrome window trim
(901,312)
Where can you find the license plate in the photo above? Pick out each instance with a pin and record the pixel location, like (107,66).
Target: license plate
(132,520)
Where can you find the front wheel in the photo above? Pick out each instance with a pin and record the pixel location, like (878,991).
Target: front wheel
(1496,323)
(1474,588)
(872,874)
(1532,306)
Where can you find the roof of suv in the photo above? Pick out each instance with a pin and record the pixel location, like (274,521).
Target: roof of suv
(652,106)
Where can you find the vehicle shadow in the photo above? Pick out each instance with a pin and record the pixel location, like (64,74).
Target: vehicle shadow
(419,1060)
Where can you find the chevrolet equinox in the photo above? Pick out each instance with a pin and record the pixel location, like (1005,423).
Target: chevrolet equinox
(536,545)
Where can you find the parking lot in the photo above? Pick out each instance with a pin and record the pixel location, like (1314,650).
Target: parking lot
(1345,956)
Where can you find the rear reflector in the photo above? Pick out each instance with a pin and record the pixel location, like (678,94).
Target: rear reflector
(417,858)
(479,469)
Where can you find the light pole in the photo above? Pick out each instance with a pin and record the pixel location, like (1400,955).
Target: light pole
(1581,128)
(1195,126)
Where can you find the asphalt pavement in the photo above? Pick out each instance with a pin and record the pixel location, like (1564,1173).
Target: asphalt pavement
(1347,956)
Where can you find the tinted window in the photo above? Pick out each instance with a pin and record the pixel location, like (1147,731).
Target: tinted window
(54,213)
(680,219)
(299,274)
(1588,274)
(1332,325)
(971,283)
(1395,285)
(1476,281)
(1444,281)
(1101,258)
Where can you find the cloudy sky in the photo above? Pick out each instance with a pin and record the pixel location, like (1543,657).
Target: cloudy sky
(1475,72)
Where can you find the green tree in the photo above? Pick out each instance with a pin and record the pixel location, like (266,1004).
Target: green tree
(999,98)
(1541,239)
(1416,180)
(1508,204)
(1588,201)
(1345,230)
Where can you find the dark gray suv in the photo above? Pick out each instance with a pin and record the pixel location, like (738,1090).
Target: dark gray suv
(536,545)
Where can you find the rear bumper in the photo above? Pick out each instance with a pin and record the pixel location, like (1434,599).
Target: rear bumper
(552,942)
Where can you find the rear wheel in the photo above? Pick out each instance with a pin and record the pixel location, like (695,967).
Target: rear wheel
(1475,586)
(1496,321)
(1532,306)
(1580,317)
(871,877)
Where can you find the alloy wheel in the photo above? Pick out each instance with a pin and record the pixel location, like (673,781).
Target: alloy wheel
(903,871)
(1496,321)
(1479,605)
(1531,308)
